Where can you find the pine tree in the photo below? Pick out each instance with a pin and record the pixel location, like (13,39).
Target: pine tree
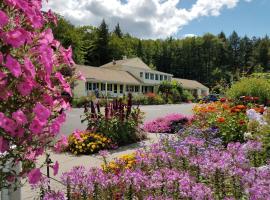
(117,31)
(102,44)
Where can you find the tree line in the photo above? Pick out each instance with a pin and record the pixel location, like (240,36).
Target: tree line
(210,59)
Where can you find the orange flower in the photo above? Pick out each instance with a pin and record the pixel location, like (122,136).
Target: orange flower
(241,107)
(220,119)
(225,106)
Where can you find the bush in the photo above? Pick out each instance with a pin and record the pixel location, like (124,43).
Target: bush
(171,91)
(148,99)
(168,124)
(187,96)
(255,87)
(121,122)
(85,142)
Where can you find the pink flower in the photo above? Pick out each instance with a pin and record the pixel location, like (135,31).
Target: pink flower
(77,135)
(47,100)
(8,124)
(3,18)
(41,112)
(66,55)
(46,37)
(19,117)
(17,37)
(3,80)
(104,153)
(18,132)
(30,68)
(55,168)
(34,176)
(80,76)
(3,145)
(61,144)
(26,87)
(14,66)
(1,58)
(55,127)
(36,126)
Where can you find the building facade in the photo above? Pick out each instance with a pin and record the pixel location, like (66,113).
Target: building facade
(119,78)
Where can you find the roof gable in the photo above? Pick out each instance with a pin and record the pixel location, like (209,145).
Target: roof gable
(132,62)
(190,84)
(107,75)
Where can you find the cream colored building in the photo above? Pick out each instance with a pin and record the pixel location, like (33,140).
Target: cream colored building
(195,87)
(118,78)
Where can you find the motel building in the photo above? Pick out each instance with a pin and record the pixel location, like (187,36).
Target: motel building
(121,77)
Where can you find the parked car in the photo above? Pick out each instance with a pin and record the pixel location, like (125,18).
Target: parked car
(211,98)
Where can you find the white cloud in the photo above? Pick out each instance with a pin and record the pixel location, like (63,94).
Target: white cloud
(141,18)
(189,35)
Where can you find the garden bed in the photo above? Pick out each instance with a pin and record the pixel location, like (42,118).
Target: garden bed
(206,159)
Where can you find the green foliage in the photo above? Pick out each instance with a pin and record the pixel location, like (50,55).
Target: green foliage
(148,99)
(69,35)
(187,96)
(120,122)
(254,87)
(207,59)
(172,91)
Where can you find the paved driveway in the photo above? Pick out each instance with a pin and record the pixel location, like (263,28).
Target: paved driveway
(151,112)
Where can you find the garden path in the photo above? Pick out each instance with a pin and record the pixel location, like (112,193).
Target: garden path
(68,161)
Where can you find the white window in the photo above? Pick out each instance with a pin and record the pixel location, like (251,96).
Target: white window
(137,88)
(121,89)
(156,77)
(103,86)
(161,77)
(146,75)
(165,78)
(109,87)
(152,76)
(115,88)
(141,74)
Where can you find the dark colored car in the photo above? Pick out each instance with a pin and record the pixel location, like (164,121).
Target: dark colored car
(211,98)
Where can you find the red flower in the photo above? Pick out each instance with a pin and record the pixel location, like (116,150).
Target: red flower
(221,120)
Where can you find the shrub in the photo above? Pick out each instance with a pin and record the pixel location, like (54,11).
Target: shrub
(121,122)
(168,124)
(254,87)
(148,99)
(85,142)
(187,96)
(171,91)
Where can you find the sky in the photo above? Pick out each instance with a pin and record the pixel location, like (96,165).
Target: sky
(164,18)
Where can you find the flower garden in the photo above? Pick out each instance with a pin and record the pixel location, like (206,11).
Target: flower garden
(221,152)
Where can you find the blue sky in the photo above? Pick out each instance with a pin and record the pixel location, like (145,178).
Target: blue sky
(165,18)
(247,18)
